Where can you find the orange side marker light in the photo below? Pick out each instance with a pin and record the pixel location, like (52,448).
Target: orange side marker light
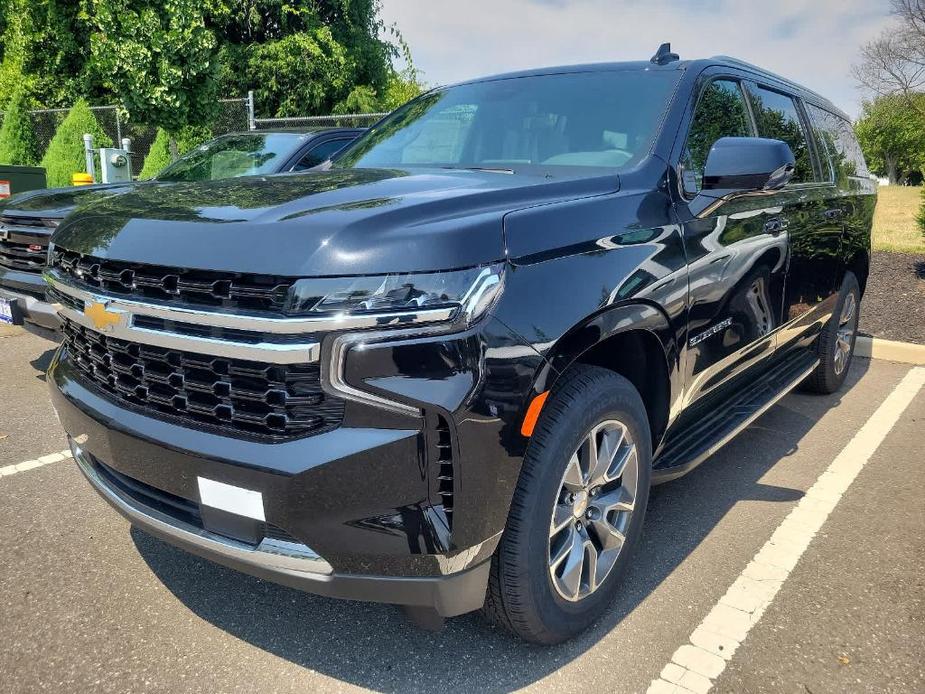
(533,414)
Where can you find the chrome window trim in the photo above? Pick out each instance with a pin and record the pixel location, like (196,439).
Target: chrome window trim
(260,324)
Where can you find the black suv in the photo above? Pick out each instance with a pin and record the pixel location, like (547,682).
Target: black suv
(445,371)
(28,220)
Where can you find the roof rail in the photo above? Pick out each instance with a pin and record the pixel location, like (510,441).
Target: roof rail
(755,68)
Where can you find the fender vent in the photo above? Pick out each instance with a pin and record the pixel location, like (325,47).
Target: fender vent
(445,468)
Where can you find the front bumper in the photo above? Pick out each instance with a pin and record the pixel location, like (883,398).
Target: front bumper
(291,564)
(27,290)
(364,497)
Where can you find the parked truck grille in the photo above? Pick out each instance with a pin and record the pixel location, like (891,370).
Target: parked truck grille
(238,397)
(227,290)
(24,245)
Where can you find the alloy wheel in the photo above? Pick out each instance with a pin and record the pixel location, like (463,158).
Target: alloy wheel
(596,499)
(844,334)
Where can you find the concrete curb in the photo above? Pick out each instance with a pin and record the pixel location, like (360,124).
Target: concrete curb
(889,350)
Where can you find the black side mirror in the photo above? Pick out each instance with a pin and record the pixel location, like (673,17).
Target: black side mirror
(745,164)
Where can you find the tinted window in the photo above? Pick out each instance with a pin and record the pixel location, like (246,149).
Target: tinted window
(320,154)
(246,154)
(598,118)
(720,112)
(836,136)
(777,117)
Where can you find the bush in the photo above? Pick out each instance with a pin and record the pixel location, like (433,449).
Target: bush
(17,140)
(921,218)
(159,154)
(65,154)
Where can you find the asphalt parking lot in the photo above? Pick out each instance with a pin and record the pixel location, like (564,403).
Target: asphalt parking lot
(89,604)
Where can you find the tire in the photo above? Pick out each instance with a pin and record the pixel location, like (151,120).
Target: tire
(525,595)
(836,341)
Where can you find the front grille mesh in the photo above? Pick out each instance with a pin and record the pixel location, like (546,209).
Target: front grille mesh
(239,397)
(227,290)
(24,250)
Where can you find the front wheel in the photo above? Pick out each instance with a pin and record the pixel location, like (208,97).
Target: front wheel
(577,511)
(837,339)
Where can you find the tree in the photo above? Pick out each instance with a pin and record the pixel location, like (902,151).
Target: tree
(65,154)
(303,73)
(159,156)
(167,61)
(894,62)
(158,57)
(17,141)
(891,136)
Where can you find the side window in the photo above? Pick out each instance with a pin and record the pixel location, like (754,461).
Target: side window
(842,146)
(320,154)
(826,134)
(720,112)
(777,117)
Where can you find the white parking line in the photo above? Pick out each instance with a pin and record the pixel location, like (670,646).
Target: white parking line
(695,666)
(32,464)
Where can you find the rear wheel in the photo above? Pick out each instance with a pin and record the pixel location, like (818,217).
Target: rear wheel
(577,512)
(836,342)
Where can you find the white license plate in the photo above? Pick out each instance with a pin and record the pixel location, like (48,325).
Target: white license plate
(6,311)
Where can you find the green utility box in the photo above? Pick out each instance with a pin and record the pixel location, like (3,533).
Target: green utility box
(17,179)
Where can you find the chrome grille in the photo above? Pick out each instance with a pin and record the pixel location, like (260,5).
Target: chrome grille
(240,397)
(24,243)
(227,290)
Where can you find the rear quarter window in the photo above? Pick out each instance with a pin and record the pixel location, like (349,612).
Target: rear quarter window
(836,137)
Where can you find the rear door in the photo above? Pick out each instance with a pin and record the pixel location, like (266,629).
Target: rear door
(813,228)
(736,254)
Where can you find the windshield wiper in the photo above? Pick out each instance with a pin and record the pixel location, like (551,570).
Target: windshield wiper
(489,169)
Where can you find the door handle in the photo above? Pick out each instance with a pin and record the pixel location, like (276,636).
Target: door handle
(834,213)
(775,226)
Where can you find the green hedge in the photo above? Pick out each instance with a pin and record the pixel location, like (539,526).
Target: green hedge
(65,154)
(17,140)
(159,154)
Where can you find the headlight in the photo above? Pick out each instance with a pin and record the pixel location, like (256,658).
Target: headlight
(468,293)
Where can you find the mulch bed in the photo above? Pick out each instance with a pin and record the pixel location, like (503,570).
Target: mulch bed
(894,304)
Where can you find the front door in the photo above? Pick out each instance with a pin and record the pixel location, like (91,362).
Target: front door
(813,218)
(737,254)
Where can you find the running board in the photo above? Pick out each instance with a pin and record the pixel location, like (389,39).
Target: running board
(691,446)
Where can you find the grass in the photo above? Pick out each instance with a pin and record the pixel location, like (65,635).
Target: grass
(895,228)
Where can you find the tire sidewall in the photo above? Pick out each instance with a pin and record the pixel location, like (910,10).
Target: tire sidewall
(563,436)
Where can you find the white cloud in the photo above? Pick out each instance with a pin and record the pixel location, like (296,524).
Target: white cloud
(811,42)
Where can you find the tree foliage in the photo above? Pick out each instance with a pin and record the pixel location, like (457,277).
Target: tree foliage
(159,156)
(894,63)
(65,154)
(158,57)
(893,136)
(17,141)
(167,61)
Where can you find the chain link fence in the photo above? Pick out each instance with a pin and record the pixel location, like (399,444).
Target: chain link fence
(234,115)
(349,120)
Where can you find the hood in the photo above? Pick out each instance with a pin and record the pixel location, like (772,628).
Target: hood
(336,222)
(57,203)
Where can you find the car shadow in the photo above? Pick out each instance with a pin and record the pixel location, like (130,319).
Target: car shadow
(375,646)
(42,362)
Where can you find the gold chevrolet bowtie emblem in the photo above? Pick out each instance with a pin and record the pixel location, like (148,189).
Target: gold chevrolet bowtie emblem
(103,319)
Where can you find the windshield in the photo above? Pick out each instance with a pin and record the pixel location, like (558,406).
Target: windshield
(594,119)
(246,154)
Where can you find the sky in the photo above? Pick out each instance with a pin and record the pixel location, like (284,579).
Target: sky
(813,42)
